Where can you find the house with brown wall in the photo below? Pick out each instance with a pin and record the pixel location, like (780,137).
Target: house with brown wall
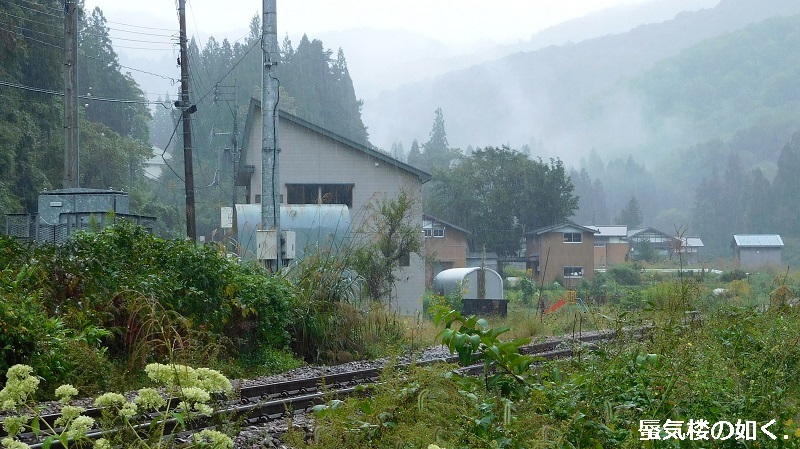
(445,247)
(561,252)
(610,245)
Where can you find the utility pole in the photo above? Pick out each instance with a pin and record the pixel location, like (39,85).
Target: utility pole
(270,174)
(222,94)
(71,158)
(235,142)
(187,129)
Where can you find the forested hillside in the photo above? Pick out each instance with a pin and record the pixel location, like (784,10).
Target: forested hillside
(723,115)
(691,118)
(116,125)
(114,114)
(223,77)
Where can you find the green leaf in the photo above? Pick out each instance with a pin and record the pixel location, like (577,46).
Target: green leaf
(35,426)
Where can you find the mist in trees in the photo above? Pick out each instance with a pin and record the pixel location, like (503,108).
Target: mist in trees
(113,135)
(630,215)
(498,193)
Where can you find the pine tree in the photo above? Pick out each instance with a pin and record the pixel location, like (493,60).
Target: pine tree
(438,155)
(630,215)
(785,189)
(398,152)
(414,155)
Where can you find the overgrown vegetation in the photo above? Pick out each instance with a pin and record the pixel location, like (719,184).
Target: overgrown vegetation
(75,312)
(738,361)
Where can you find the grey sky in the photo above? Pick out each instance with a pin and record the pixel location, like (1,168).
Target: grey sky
(454,22)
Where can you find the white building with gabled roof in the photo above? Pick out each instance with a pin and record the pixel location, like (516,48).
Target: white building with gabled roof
(757,250)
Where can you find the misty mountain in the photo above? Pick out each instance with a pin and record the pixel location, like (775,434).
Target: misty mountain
(560,95)
(386,59)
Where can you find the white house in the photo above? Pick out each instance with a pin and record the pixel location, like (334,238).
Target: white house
(318,166)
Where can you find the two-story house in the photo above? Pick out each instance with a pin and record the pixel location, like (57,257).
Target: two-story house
(445,247)
(564,251)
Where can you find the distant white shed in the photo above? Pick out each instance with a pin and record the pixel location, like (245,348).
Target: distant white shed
(757,250)
(473,282)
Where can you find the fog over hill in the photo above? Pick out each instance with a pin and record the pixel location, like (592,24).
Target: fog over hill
(551,95)
(382,60)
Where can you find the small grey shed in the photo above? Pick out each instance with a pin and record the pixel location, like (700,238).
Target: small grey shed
(481,289)
(469,281)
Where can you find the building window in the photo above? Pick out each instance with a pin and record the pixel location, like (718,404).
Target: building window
(599,244)
(573,272)
(433,232)
(320,194)
(573,237)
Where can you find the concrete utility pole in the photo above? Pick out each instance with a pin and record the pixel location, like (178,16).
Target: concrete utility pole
(187,129)
(235,143)
(270,175)
(71,158)
(222,94)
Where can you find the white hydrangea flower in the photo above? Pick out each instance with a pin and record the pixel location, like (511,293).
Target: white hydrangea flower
(194,394)
(149,399)
(102,443)
(213,438)
(68,413)
(9,443)
(15,424)
(79,426)
(128,410)
(66,392)
(19,386)
(203,409)
(212,381)
(110,400)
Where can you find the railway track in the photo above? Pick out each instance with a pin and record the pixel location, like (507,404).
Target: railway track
(259,404)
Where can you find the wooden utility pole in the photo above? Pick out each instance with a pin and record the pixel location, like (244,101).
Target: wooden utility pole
(191,231)
(71,158)
(270,174)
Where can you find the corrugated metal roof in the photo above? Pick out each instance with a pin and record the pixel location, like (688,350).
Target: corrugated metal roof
(758,240)
(556,227)
(692,242)
(430,219)
(611,230)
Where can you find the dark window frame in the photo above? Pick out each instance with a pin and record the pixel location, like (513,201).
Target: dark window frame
(573,272)
(318,193)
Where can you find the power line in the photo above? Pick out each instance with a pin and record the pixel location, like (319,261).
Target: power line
(31,20)
(23,29)
(33,39)
(144,48)
(38,11)
(252,46)
(126,39)
(86,97)
(141,27)
(142,33)
(174,80)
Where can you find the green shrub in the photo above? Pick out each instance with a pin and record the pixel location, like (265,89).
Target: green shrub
(97,289)
(733,275)
(626,274)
